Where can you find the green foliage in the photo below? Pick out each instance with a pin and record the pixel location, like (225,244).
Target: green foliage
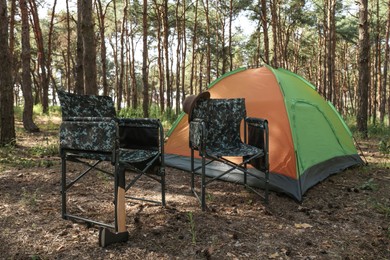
(384,145)
(129,112)
(38,109)
(383,208)
(369,185)
(377,130)
(44,150)
(55,110)
(192,226)
(29,198)
(36,156)
(167,118)
(18,112)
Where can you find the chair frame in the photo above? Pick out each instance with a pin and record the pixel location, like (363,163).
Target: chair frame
(112,154)
(200,142)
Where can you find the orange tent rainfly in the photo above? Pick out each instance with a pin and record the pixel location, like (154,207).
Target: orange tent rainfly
(308,139)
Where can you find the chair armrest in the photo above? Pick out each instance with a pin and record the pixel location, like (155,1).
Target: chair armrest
(87,119)
(260,122)
(198,133)
(94,136)
(139,122)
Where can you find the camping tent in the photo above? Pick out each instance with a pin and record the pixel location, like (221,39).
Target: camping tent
(308,139)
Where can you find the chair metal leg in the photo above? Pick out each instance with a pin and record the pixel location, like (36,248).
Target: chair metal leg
(63,186)
(203,183)
(163,187)
(192,171)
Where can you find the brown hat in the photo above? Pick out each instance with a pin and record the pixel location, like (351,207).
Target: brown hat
(190,102)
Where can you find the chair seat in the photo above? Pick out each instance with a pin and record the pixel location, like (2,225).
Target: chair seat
(135,156)
(239,149)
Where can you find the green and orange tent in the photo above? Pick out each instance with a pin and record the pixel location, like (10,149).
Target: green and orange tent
(309,140)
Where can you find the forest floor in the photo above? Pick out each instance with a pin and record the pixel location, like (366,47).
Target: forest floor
(347,216)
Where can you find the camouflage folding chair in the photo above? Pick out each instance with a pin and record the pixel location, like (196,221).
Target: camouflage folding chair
(90,134)
(215,133)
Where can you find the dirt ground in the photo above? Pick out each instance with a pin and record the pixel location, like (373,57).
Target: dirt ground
(347,216)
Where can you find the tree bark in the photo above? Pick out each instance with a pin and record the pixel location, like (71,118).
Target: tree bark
(364,69)
(166,51)
(43,76)
(208,40)
(160,63)
(194,42)
(79,84)
(89,49)
(184,52)
(178,59)
(122,60)
(265,29)
(7,126)
(103,49)
(28,122)
(49,48)
(145,104)
(274,22)
(383,91)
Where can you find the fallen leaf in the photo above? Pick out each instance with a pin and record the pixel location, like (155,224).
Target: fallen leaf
(302,225)
(274,255)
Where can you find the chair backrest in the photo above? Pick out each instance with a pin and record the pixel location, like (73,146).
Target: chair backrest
(223,119)
(88,123)
(73,105)
(139,133)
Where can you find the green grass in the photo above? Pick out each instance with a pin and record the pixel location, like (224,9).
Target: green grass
(36,156)
(192,226)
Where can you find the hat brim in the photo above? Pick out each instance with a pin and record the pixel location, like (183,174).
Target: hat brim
(190,102)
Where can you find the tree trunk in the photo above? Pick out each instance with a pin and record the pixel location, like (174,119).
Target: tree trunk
(178,51)
(274,22)
(89,49)
(103,49)
(265,29)
(28,122)
(331,39)
(383,91)
(134,91)
(145,104)
(230,35)
(208,55)
(160,63)
(166,51)
(364,69)
(43,77)
(122,60)
(184,52)
(49,48)
(194,41)
(7,126)
(79,84)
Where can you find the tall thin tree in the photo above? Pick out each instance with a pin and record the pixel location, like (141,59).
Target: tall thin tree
(28,122)
(383,91)
(43,76)
(79,84)
(364,69)
(145,75)
(89,48)
(7,126)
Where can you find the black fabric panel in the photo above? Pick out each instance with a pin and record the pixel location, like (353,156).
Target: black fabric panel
(138,138)
(256,139)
